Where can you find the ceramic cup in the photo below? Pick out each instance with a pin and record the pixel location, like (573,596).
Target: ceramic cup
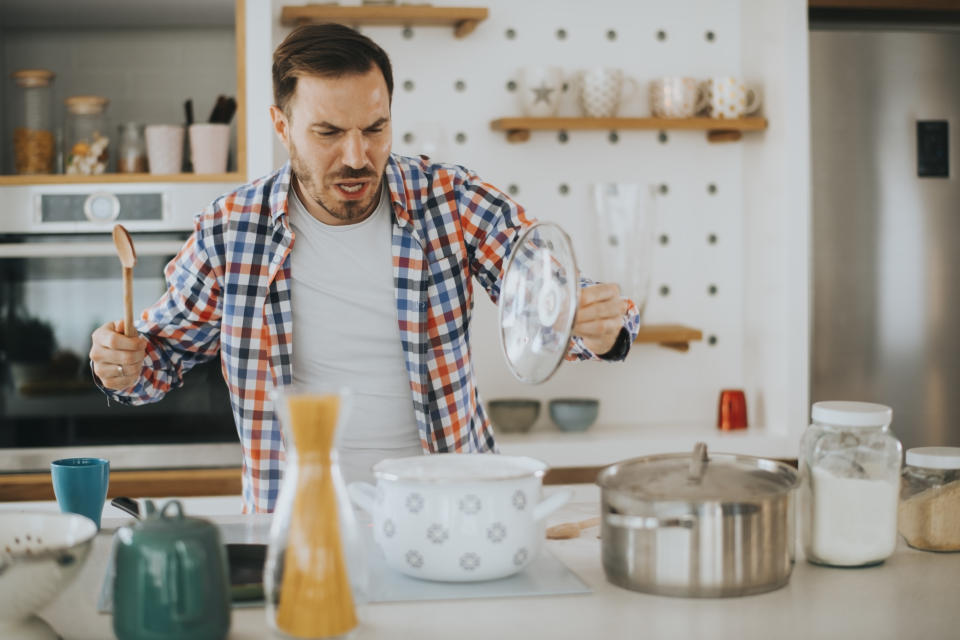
(164,147)
(727,97)
(676,97)
(539,90)
(209,147)
(80,485)
(601,90)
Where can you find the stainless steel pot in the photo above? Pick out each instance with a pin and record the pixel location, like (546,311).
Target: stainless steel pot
(697,525)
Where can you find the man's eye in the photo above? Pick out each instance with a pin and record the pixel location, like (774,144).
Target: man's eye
(327,134)
(374,130)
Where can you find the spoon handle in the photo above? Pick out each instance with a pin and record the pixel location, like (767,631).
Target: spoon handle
(128,328)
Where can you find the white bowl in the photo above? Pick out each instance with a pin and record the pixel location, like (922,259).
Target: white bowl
(458,517)
(40,553)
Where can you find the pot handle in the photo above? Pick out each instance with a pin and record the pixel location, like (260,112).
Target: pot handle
(649,522)
(364,495)
(551,504)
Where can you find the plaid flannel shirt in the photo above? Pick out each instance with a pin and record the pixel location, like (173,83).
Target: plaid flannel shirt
(229,292)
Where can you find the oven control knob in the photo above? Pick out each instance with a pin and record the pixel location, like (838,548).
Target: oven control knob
(101,207)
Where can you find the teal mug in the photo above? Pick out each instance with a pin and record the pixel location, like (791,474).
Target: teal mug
(80,485)
(171,578)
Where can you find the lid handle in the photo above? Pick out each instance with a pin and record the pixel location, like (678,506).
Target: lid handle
(698,463)
(170,505)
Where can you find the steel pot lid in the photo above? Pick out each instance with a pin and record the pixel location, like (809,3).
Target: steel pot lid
(538,302)
(699,477)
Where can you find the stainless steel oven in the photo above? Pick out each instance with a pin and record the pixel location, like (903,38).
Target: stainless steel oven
(60,279)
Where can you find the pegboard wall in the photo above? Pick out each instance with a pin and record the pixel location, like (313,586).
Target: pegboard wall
(447,91)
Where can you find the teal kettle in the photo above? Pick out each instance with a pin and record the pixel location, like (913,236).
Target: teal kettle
(171,578)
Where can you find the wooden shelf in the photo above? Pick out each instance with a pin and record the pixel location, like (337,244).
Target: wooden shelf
(106,178)
(718,129)
(671,336)
(463,19)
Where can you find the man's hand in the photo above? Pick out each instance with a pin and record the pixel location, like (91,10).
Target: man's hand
(117,359)
(600,317)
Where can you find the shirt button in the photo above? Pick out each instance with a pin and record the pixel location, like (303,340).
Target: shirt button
(423,306)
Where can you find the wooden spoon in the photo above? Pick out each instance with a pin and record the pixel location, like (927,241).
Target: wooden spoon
(128,258)
(568,530)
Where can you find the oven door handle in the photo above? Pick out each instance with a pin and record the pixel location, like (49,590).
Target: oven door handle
(85,249)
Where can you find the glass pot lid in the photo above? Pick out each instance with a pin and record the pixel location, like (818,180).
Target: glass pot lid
(538,302)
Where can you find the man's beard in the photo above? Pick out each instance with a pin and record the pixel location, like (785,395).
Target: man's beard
(350,211)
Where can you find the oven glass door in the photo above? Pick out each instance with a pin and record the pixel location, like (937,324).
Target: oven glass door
(54,291)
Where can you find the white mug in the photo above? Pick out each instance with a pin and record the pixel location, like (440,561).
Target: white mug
(676,97)
(602,89)
(726,97)
(539,91)
(209,147)
(164,147)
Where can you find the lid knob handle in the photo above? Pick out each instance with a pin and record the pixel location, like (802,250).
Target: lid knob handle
(698,463)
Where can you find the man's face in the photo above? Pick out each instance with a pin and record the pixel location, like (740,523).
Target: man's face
(337,132)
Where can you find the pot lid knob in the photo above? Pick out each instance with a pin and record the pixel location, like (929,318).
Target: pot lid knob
(698,463)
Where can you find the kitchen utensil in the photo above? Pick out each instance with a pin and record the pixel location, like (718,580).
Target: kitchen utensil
(538,302)
(86,146)
(458,517)
(164,148)
(513,415)
(306,578)
(567,530)
(31,113)
(929,514)
(171,580)
(601,90)
(128,258)
(698,525)
(132,149)
(40,553)
(209,146)
(80,485)
(732,410)
(574,414)
(539,91)
(676,97)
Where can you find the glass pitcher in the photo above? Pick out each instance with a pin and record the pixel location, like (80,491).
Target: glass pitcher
(314,573)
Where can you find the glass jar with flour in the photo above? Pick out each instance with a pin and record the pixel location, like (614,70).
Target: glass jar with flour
(930,499)
(850,471)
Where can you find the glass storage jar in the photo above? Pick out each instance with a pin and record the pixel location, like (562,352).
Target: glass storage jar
(850,471)
(930,499)
(34,146)
(132,149)
(86,146)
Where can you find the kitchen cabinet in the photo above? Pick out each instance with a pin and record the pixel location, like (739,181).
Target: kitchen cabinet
(146,60)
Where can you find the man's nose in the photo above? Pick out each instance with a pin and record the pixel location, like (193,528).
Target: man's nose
(355,150)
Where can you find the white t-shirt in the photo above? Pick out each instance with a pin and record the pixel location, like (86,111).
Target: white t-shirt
(345,332)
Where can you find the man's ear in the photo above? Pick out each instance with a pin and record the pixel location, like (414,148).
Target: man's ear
(280,125)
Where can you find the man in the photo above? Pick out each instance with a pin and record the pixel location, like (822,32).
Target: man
(347,266)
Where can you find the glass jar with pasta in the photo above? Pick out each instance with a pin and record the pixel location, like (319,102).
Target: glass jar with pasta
(34,145)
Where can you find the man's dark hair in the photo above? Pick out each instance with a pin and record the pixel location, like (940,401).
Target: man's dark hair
(330,50)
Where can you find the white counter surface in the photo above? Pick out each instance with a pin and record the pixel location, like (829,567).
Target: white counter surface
(913,595)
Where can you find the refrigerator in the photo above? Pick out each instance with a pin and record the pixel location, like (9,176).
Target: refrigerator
(885,110)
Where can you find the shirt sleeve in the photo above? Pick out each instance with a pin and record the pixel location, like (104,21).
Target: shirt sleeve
(182,328)
(491,223)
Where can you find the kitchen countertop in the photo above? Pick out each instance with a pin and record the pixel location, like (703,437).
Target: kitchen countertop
(912,595)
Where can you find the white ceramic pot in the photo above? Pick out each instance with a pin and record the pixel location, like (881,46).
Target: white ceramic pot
(458,517)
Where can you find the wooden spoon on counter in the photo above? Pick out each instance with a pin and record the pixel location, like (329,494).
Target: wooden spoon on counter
(128,258)
(569,530)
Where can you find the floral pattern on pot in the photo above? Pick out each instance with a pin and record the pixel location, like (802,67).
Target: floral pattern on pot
(520,500)
(470,504)
(496,533)
(414,503)
(520,557)
(461,527)
(437,534)
(469,561)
